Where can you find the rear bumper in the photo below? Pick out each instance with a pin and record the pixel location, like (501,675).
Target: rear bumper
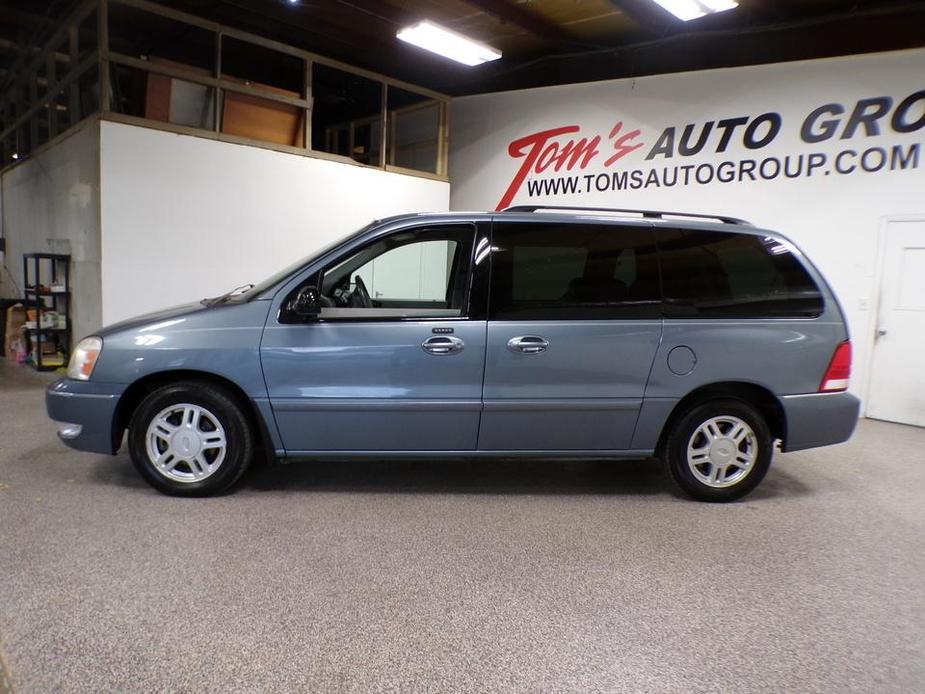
(86,411)
(819,419)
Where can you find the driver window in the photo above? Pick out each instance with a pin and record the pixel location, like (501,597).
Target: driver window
(411,274)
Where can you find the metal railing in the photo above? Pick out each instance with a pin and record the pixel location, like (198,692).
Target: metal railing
(78,73)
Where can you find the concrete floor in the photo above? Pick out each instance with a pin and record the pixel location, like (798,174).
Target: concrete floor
(539,577)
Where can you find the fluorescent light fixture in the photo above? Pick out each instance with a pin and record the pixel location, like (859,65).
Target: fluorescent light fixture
(692,9)
(448,43)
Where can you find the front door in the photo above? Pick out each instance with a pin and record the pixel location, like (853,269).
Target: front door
(573,328)
(897,380)
(395,359)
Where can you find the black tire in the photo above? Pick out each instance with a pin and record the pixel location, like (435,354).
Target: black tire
(219,405)
(685,428)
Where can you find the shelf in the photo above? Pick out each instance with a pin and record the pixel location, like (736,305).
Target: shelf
(47,256)
(32,291)
(47,330)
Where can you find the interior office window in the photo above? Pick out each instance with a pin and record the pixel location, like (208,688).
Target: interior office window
(420,273)
(167,43)
(563,271)
(346,114)
(277,74)
(414,130)
(733,275)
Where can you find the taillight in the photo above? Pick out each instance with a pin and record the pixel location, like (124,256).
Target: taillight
(839,371)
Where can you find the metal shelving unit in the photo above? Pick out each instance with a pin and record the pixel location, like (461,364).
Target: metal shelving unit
(44,298)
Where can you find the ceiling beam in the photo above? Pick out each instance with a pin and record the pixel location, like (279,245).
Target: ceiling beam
(515,14)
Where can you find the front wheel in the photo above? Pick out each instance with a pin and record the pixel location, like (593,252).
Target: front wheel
(719,450)
(190,439)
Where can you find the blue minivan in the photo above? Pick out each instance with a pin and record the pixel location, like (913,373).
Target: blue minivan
(532,332)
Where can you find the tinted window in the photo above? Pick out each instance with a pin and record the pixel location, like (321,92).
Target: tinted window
(573,271)
(733,275)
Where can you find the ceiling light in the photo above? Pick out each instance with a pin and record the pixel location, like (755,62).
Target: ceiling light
(448,43)
(692,9)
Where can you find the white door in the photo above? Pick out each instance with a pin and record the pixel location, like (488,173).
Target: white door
(897,381)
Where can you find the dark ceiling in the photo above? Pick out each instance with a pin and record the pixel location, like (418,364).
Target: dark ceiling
(544,41)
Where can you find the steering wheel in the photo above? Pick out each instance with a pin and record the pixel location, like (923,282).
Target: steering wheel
(361,293)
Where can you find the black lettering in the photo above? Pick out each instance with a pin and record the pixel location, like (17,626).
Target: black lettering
(838,161)
(793,174)
(827,127)
(726,172)
(775,168)
(684,146)
(881,161)
(747,168)
(728,126)
(703,180)
(899,122)
(652,179)
(867,112)
(910,160)
(774,122)
(814,161)
(664,145)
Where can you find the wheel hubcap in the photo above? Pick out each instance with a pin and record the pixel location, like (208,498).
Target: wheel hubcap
(186,443)
(722,451)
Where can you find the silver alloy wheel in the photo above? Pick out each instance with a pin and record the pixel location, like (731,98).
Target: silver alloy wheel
(722,451)
(185,443)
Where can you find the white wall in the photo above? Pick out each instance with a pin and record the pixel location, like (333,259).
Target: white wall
(835,218)
(186,217)
(51,204)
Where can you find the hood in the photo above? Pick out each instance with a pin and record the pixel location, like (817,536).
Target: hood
(153,317)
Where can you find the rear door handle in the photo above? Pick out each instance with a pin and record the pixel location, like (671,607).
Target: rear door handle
(443,344)
(528,344)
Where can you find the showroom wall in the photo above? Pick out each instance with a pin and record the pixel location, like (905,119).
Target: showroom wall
(825,151)
(186,217)
(50,203)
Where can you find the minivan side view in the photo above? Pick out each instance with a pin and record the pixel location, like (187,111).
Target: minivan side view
(531,332)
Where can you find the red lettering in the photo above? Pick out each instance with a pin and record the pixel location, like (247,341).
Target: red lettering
(620,144)
(518,148)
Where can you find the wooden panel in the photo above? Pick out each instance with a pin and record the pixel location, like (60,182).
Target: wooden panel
(260,119)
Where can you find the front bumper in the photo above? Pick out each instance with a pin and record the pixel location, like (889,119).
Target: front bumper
(819,419)
(87,413)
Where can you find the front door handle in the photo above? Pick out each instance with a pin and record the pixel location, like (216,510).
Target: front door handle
(528,344)
(443,344)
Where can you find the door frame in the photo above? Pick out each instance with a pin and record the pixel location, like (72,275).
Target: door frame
(876,299)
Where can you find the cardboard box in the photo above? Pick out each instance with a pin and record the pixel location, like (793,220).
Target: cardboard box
(15,321)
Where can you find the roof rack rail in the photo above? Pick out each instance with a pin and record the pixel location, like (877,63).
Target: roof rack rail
(649,214)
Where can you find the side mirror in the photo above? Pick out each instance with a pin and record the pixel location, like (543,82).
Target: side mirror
(306,304)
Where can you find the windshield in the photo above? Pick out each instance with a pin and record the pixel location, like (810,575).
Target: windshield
(276,278)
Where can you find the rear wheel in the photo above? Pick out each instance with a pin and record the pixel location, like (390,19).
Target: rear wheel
(719,450)
(190,439)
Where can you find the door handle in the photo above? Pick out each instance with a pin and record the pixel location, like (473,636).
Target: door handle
(443,344)
(528,344)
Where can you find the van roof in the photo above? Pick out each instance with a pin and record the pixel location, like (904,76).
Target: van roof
(693,220)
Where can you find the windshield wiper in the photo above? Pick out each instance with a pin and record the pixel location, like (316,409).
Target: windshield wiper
(214,301)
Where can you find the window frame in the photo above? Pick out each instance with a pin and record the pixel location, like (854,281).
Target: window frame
(654,311)
(467,312)
(675,310)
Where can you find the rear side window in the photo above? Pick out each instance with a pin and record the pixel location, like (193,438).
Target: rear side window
(706,273)
(555,271)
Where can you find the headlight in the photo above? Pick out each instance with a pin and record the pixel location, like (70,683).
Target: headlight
(83,358)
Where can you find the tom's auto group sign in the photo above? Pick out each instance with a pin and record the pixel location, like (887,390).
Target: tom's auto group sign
(566,160)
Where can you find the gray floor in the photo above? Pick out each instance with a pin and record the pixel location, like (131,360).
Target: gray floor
(534,577)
